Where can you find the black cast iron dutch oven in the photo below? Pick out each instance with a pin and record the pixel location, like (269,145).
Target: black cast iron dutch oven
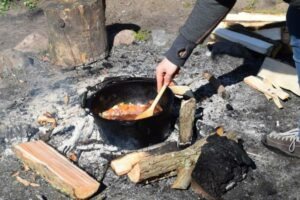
(135,133)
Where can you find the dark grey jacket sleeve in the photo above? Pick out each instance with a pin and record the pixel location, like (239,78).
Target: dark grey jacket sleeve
(294,3)
(205,16)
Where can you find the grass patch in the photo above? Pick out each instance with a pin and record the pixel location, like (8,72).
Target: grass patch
(142,35)
(5,5)
(187,5)
(31,4)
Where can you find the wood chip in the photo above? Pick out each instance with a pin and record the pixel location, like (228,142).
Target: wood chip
(23,181)
(66,99)
(220,130)
(15,173)
(34,185)
(26,168)
(73,157)
(44,120)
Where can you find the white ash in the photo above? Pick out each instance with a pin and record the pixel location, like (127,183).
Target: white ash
(93,163)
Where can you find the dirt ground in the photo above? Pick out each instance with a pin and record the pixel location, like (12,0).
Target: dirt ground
(276,177)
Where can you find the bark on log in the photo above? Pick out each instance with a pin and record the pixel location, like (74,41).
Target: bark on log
(186,121)
(77,32)
(123,165)
(154,166)
(56,169)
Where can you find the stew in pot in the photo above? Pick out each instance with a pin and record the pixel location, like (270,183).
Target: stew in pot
(128,111)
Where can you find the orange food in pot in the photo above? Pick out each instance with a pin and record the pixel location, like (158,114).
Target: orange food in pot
(127,111)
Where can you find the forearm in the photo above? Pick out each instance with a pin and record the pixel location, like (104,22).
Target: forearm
(205,16)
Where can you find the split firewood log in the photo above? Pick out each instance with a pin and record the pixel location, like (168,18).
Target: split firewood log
(186,121)
(158,165)
(154,166)
(123,165)
(56,169)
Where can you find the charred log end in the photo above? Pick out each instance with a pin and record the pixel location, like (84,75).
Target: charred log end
(220,166)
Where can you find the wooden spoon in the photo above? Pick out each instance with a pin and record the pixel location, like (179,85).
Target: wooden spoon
(150,111)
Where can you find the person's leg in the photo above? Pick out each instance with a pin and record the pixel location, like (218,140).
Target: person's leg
(295,44)
(294,30)
(289,142)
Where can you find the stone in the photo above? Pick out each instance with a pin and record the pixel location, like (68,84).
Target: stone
(159,37)
(13,63)
(33,43)
(125,37)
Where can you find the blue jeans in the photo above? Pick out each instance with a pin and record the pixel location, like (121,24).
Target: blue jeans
(293,14)
(295,44)
(292,22)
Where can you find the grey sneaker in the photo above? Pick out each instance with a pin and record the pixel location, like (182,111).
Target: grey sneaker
(287,142)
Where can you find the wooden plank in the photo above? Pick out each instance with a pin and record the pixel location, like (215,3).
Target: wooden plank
(280,74)
(259,85)
(272,33)
(265,87)
(254,17)
(266,81)
(56,169)
(254,44)
(278,91)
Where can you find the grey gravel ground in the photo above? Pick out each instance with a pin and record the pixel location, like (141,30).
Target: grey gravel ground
(276,176)
(43,88)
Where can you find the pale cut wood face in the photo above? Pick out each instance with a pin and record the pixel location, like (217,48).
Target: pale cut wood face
(56,169)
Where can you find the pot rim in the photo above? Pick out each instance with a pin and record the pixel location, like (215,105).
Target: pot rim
(124,79)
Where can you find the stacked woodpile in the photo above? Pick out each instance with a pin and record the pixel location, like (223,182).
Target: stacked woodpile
(268,37)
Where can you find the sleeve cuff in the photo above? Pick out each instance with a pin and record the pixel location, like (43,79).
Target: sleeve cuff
(180,51)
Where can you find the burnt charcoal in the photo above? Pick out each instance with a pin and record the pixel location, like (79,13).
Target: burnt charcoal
(2,144)
(196,53)
(229,107)
(31,132)
(107,65)
(203,129)
(222,162)
(199,113)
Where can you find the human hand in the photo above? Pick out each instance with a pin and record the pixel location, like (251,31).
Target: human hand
(165,72)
